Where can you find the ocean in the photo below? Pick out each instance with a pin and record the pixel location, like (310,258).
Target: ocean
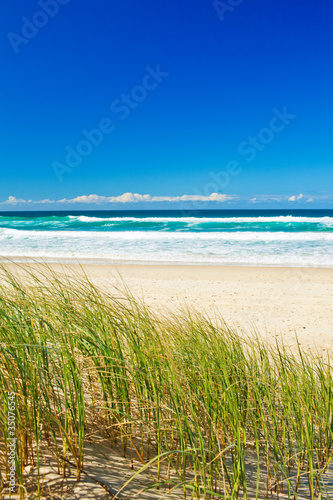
(219,237)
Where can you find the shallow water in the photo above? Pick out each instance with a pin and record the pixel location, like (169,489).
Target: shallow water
(245,237)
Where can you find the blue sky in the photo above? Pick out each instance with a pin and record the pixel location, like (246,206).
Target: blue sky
(224,105)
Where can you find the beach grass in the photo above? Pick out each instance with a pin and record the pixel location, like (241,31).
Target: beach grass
(209,412)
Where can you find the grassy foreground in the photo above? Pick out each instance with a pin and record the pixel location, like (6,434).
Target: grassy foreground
(208,412)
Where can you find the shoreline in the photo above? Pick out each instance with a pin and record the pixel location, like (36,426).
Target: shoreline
(277,302)
(125,262)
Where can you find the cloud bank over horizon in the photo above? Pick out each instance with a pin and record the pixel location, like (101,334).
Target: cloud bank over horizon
(124,198)
(135,198)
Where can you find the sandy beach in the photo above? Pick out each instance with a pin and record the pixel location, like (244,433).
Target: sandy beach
(275,301)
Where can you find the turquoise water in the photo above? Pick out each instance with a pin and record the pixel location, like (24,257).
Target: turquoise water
(244,237)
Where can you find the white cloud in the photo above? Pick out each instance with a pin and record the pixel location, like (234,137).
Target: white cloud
(95,199)
(44,201)
(92,198)
(133,198)
(12,201)
(294,197)
(136,197)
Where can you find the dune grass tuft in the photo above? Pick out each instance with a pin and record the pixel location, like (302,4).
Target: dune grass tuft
(210,413)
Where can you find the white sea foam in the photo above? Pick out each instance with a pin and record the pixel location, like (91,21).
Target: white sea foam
(258,259)
(199,220)
(264,236)
(252,248)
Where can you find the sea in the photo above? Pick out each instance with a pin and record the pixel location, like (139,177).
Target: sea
(301,238)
